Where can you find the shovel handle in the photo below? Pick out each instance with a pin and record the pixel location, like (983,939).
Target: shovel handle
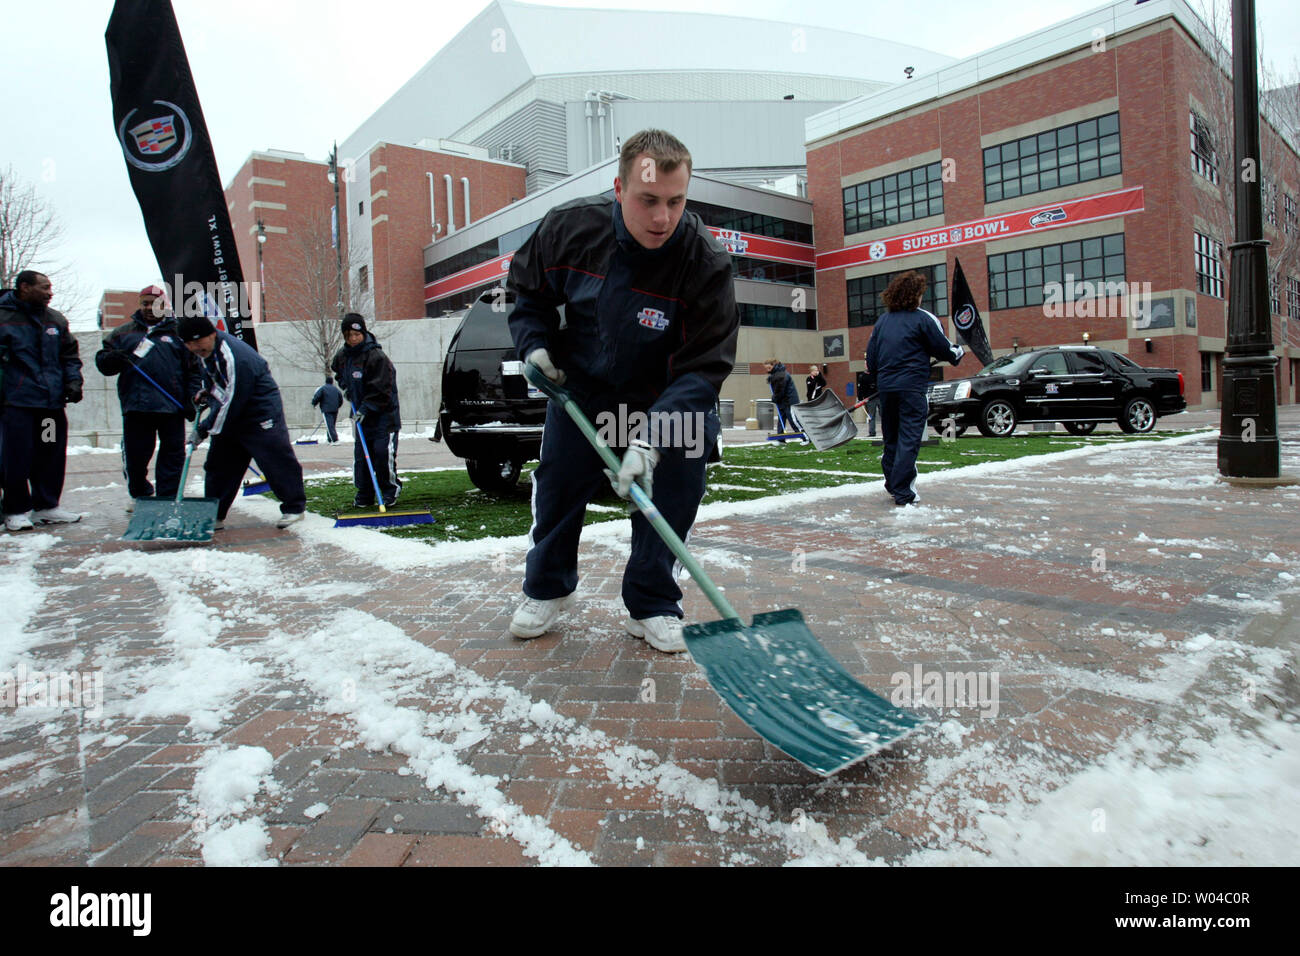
(642,501)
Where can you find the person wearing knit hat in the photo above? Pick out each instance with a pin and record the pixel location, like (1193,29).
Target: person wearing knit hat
(157,376)
(245,418)
(369,380)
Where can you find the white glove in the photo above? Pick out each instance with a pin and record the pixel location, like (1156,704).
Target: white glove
(542,359)
(639,463)
(960,352)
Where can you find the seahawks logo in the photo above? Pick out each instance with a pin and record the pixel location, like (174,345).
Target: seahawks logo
(1048,216)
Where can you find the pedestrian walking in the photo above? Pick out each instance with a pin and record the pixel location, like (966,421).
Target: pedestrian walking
(329,400)
(902,343)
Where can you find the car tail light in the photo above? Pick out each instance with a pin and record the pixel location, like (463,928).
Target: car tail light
(1180,384)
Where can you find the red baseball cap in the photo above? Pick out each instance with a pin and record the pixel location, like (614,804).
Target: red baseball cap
(151,290)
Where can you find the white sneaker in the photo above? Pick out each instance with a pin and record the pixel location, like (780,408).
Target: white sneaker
(286,520)
(534,618)
(130,507)
(662,633)
(17,522)
(218,525)
(55,516)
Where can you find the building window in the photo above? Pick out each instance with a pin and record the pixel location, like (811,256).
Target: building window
(866,305)
(1066,271)
(1293,298)
(1290,222)
(901,197)
(1274,294)
(361,208)
(1268,198)
(1060,157)
(776,317)
(1205,160)
(1207,371)
(363,279)
(1209,266)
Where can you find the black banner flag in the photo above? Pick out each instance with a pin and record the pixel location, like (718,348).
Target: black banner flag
(966,316)
(159,125)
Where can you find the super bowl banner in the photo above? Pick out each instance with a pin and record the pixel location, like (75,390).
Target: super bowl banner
(735,242)
(1040,218)
(164,139)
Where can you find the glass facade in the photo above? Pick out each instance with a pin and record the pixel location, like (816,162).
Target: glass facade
(865,304)
(1029,276)
(776,317)
(1063,156)
(901,197)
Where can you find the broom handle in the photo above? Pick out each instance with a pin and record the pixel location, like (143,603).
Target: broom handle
(379,495)
(639,497)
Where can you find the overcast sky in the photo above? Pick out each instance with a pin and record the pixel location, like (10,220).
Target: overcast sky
(298,74)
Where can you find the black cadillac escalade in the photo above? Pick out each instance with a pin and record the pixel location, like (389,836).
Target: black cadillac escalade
(1077,385)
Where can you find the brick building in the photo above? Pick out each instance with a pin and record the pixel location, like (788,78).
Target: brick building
(1081,175)
(116,306)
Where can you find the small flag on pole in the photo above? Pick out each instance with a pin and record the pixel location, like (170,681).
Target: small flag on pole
(966,316)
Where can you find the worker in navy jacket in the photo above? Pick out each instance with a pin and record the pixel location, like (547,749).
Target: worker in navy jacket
(40,369)
(902,343)
(245,418)
(369,379)
(157,378)
(650,327)
(329,400)
(784,393)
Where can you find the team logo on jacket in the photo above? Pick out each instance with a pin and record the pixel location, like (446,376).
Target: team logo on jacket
(51,331)
(165,338)
(1048,216)
(965,317)
(356,374)
(652,319)
(159,140)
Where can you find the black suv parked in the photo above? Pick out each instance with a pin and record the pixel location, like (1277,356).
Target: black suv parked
(490,415)
(1077,385)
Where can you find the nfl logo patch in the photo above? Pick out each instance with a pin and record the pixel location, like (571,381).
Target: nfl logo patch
(652,319)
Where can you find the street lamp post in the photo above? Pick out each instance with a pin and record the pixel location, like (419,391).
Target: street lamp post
(333,176)
(261,271)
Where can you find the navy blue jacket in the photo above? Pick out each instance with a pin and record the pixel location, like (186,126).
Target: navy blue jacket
(656,327)
(39,357)
(900,349)
(368,377)
(241,393)
(168,362)
(329,398)
(782,386)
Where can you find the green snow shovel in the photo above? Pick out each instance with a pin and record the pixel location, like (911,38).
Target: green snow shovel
(178,519)
(774,674)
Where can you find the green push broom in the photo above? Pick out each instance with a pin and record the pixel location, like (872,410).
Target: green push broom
(385,518)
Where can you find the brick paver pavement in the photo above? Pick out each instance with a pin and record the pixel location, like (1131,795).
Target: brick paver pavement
(399,724)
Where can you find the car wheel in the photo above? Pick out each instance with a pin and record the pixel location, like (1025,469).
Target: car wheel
(1139,416)
(1080,428)
(496,476)
(997,419)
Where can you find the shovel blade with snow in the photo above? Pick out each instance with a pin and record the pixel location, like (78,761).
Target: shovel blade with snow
(825,421)
(774,673)
(174,519)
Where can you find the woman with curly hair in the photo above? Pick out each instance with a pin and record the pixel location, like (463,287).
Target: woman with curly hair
(902,343)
